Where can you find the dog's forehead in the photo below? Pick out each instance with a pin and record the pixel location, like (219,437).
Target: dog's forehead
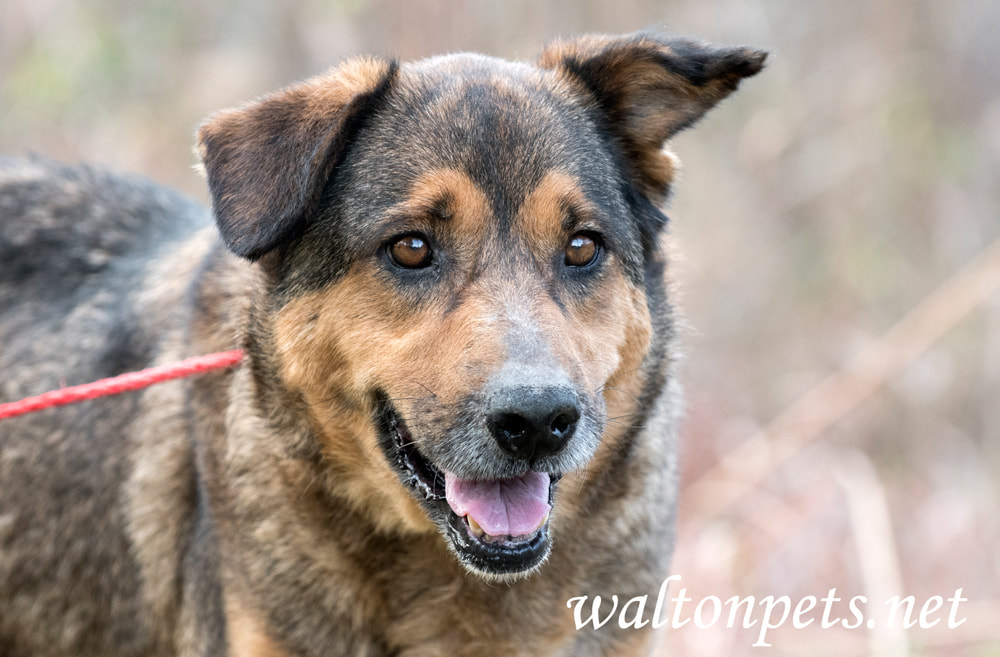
(494,106)
(503,124)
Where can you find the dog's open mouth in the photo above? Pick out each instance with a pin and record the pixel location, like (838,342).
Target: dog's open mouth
(498,526)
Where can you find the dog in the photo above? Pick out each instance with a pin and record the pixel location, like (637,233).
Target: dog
(457,406)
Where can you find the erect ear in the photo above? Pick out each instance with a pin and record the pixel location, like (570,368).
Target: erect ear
(268,161)
(647,88)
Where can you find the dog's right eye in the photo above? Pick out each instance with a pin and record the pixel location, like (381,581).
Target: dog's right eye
(411,252)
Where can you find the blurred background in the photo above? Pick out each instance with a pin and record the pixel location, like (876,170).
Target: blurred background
(836,230)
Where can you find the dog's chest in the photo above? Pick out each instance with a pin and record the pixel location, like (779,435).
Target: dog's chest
(433,614)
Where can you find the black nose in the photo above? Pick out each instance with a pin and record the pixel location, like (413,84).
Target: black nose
(532,422)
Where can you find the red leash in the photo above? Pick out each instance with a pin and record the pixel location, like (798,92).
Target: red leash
(123,383)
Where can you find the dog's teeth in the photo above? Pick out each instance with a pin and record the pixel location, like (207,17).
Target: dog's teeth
(542,523)
(474,528)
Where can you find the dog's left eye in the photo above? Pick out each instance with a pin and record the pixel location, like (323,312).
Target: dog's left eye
(411,252)
(582,250)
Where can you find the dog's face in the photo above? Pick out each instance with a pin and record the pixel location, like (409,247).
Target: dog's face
(465,270)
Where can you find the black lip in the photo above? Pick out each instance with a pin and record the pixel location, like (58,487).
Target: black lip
(426,483)
(506,557)
(417,472)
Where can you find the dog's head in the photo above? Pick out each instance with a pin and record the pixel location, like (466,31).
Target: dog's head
(466,279)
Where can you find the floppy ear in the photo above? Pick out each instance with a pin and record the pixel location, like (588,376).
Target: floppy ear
(647,88)
(267,162)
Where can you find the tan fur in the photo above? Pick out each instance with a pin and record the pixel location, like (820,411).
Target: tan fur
(246,634)
(548,206)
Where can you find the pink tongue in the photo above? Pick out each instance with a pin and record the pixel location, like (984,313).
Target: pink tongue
(502,507)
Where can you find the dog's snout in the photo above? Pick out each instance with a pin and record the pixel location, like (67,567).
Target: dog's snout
(531,422)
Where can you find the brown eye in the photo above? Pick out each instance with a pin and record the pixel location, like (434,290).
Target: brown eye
(411,252)
(581,251)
